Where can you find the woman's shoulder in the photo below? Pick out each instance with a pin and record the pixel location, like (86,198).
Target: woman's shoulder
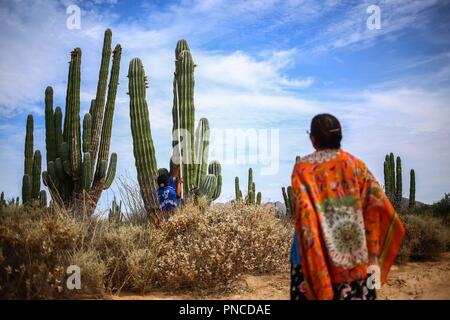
(320,156)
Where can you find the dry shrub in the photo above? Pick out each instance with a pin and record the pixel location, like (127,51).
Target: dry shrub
(200,246)
(212,246)
(93,271)
(426,238)
(34,244)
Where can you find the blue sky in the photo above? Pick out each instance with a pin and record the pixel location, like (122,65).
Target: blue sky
(261,64)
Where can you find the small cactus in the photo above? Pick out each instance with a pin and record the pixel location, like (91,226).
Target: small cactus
(115,212)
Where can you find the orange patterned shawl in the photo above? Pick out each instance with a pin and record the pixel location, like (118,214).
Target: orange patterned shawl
(341,217)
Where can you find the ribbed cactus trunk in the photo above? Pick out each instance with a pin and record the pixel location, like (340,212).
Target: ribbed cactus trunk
(216,169)
(28,163)
(201,151)
(143,149)
(75,153)
(183,112)
(412,190)
(50,133)
(287,201)
(31,180)
(392,177)
(207,186)
(398,184)
(99,104)
(237,190)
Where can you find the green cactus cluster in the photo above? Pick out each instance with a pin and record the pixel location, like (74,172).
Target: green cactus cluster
(115,212)
(198,178)
(252,197)
(31,180)
(393,182)
(287,196)
(77,154)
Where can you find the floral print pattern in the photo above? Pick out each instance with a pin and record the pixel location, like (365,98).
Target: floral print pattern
(342,216)
(356,290)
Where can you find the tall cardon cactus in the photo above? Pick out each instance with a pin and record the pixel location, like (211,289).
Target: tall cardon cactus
(143,149)
(77,153)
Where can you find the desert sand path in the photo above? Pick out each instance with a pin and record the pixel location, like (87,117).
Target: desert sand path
(413,280)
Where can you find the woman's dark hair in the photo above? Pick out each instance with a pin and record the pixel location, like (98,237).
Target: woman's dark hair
(327,131)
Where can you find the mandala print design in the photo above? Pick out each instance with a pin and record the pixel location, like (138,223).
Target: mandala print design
(321,156)
(344,235)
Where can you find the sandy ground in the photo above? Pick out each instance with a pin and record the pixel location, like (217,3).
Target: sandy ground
(414,280)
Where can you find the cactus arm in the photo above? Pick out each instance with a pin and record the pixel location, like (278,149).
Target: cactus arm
(412,189)
(111,171)
(97,111)
(201,151)
(74,138)
(110,103)
(28,164)
(57,117)
(143,149)
(26,188)
(184,100)
(237,191)
(36,176)
(258,198)
(87,126)
(50,134)
(86,172)
(207,186)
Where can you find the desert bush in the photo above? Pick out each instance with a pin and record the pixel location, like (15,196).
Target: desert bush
(35,243)
(200,247)
(426,238)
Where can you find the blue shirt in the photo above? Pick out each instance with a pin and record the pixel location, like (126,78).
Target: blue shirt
(167,198)
(295,252)
(172,183)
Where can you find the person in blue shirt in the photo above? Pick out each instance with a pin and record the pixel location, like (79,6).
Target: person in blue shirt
(168,192)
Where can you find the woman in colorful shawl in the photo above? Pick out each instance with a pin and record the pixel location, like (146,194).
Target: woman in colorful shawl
(348,233)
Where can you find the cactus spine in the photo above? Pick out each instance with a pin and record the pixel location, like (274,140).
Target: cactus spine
(412,189)
(70,174)
(143,149)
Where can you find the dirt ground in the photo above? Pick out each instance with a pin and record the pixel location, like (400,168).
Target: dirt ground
(413,280)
